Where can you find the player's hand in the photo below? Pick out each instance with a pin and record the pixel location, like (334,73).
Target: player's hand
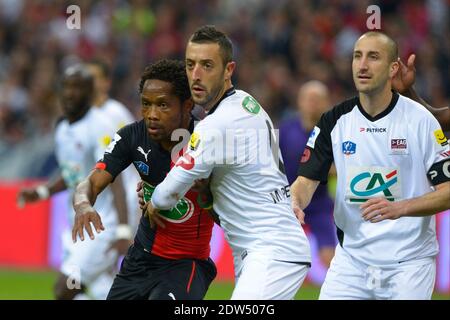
(27,195)
(84,216)
(140,192)
(379,209)
(153,215)
(405,76)
(121,246)
(299,213)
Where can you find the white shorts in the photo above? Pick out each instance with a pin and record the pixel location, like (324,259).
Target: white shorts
(84,261)
(263,278)
(348,279)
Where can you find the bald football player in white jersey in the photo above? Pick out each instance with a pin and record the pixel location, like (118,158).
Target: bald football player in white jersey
(80,140)
(236,146)
(393,175)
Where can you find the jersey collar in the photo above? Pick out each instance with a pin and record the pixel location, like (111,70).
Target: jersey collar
(381,114)
(225,95)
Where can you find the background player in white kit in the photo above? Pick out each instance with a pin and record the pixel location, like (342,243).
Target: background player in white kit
(119,116)
(80,140)
(271,252)
(388,151)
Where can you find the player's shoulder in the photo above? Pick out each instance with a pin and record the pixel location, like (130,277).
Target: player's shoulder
(134,129)
(413,110)
(332,116)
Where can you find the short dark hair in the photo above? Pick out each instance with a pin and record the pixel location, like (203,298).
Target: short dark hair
(104,67)
(172,71)
(392,45)
(209,34)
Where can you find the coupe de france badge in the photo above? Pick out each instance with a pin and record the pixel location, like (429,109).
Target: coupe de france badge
(348,148)
(312,137)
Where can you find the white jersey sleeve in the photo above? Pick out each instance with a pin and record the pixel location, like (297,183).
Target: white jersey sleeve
(437,150)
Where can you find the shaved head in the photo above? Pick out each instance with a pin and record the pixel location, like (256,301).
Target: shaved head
(391,46)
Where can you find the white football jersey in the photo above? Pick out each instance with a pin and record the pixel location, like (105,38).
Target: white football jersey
(78,147)
(121,116)
(237,146)
(399,154)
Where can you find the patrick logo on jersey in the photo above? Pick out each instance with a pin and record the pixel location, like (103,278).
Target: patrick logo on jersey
(364,183)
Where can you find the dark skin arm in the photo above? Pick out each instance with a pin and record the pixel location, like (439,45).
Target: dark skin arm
(83,200)
(29,195)
(403,83)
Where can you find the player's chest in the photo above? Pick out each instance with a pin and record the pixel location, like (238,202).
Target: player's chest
(367,142)
(151,162)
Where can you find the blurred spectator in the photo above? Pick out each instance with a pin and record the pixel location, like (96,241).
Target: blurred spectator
(313,100)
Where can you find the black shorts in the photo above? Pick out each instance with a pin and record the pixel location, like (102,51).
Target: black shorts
(145,276)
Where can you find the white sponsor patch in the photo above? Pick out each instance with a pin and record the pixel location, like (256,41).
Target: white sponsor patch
(312,137)
(113,143)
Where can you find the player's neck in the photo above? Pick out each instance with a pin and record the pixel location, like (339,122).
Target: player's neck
(375,103)
(219,96)
(169,144)
(80,115)
(100,99)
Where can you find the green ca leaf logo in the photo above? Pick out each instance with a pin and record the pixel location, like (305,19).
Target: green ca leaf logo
(366,185)
(178,214)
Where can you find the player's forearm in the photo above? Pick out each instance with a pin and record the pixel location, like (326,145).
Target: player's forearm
(302,191)
(428,204)
(86,191)
(168,192)
(119,199)
(56,185)
(83,197)
(441,114)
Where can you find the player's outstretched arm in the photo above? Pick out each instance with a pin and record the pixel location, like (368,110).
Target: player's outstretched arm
(302,191)
(379,209)
(403,83)
(83,200)
(41,192)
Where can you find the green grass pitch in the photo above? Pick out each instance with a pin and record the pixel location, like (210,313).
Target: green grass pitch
(38,285)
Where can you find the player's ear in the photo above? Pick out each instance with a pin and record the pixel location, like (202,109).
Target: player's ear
(229,68)
(188,105)
(394,68)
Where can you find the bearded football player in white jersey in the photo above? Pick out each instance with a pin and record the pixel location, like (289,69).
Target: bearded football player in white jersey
(80,140)
(236,146)
(393,170)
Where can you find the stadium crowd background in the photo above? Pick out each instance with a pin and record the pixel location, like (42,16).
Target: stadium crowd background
(279,45)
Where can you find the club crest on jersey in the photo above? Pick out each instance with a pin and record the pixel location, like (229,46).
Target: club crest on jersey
(182,211)
(251,105)
(348,148)
(440,137)
(142,167)
(364,183)
(312,137)
(195,141)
